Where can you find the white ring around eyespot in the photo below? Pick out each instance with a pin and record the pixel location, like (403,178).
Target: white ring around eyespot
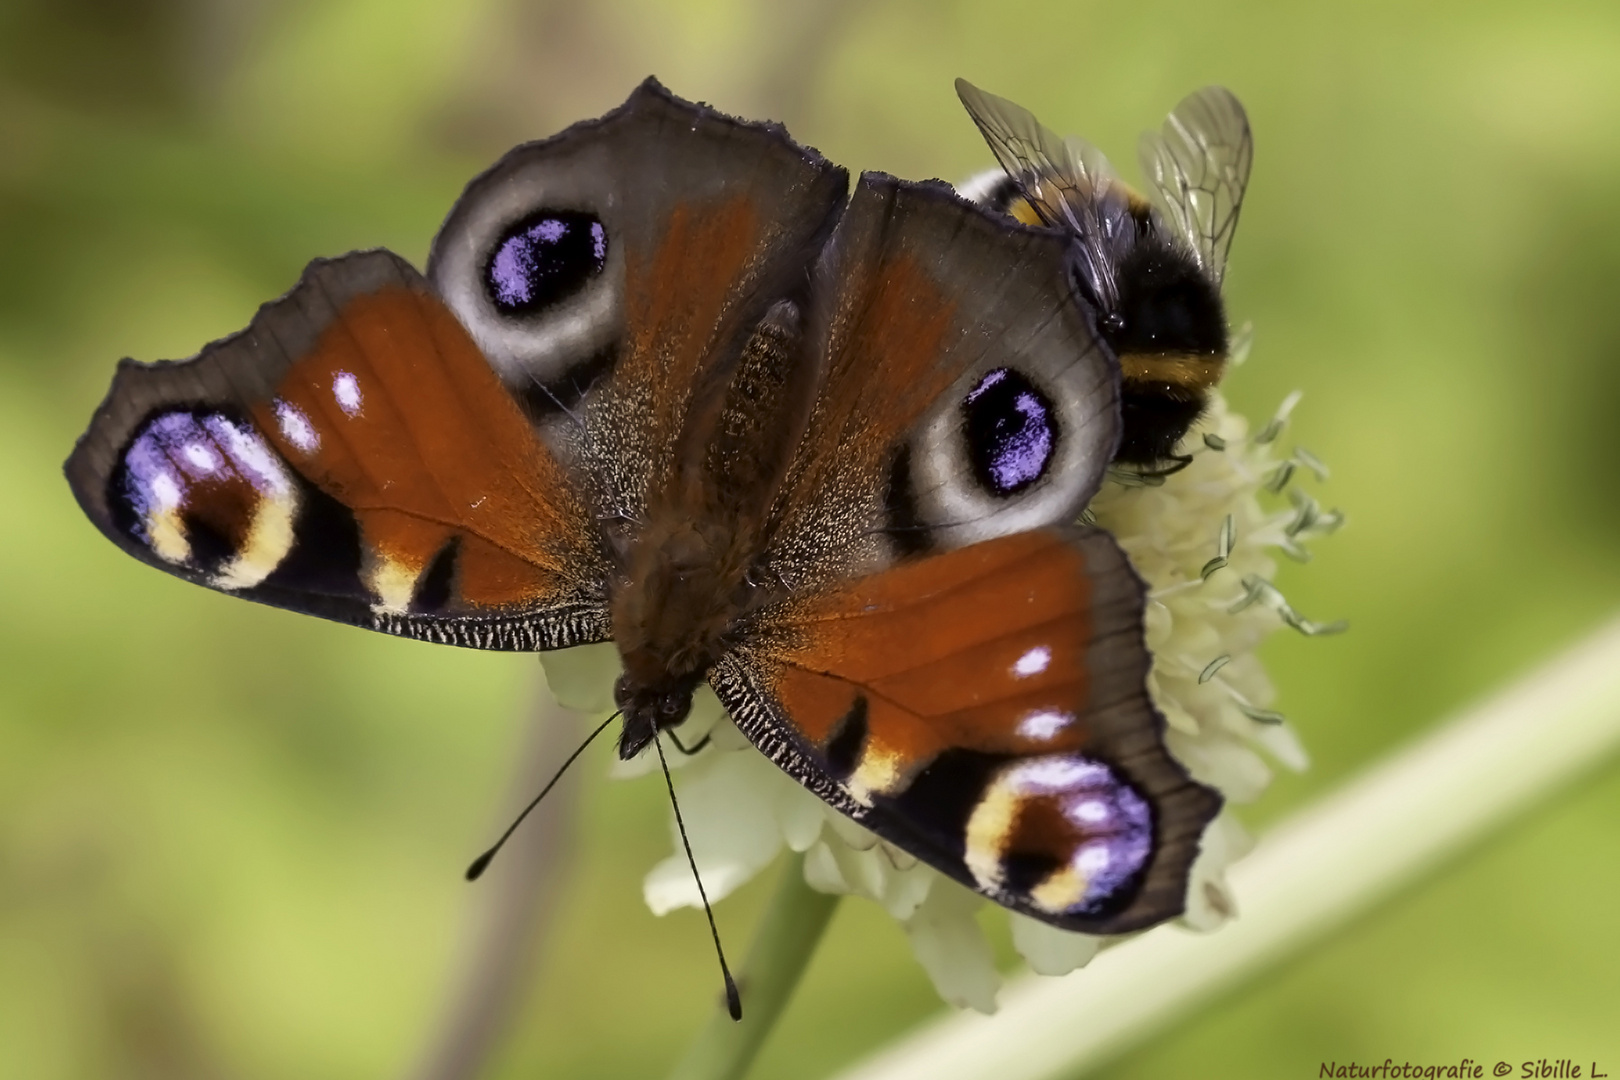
(165,492)
(947,492)
(1092,860)
(270,537)
(538,347)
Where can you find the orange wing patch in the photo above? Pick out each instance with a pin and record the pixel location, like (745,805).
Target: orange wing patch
(396,414)
(982,648)
(986,709)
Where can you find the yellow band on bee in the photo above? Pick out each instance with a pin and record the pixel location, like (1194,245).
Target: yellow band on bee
(1191,370)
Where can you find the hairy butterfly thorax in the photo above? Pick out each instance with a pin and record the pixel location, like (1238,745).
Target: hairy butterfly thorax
(1151,268)
(694,569)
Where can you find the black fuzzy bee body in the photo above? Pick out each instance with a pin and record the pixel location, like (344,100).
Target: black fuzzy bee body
(1150,268)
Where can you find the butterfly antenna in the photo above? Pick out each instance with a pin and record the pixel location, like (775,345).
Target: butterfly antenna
(733,999)
(480,864)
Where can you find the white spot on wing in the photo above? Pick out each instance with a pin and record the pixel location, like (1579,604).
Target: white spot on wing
(1044,723)
(1092,860)
(165,492)
(296,428)
(1033,662)
(202,457)
(346,389)
(1090,812)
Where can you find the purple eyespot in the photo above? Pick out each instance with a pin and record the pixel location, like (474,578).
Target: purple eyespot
(1011,431)
(190,483)
(1112,819)
(544,258)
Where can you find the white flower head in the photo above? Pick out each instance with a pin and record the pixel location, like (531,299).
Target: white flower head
(1203,542)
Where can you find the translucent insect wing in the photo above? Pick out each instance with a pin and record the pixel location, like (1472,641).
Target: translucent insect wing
(1063,179)
(1197,167)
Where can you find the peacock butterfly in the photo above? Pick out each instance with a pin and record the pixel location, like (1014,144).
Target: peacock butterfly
(666,383)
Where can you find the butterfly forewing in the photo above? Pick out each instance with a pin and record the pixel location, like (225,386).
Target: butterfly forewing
(691,224)
(350,454)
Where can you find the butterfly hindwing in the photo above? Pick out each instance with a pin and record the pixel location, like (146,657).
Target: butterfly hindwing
(986,710)
(952,663)
(350,455)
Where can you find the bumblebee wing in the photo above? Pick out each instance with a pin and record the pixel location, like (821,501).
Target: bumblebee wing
(1197,167)
(1063,179)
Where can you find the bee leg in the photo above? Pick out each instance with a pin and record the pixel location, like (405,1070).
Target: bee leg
(1181,461)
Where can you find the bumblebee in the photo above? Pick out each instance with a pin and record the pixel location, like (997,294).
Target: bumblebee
(1150,267)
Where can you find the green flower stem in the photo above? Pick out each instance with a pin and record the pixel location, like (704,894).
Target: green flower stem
(781,950)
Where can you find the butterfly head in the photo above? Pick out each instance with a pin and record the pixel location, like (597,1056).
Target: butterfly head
(649,708)
(673,613)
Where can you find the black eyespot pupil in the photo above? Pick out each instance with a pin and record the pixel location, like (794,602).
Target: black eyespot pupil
(1011,431)
(546,257)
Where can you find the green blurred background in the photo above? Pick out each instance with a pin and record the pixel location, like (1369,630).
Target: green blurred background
(231,838)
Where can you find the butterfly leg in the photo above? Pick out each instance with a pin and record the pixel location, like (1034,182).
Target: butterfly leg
(697,746)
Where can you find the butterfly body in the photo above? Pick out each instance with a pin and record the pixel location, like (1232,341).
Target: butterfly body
(821,452)
(1152,268)
(697,570)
